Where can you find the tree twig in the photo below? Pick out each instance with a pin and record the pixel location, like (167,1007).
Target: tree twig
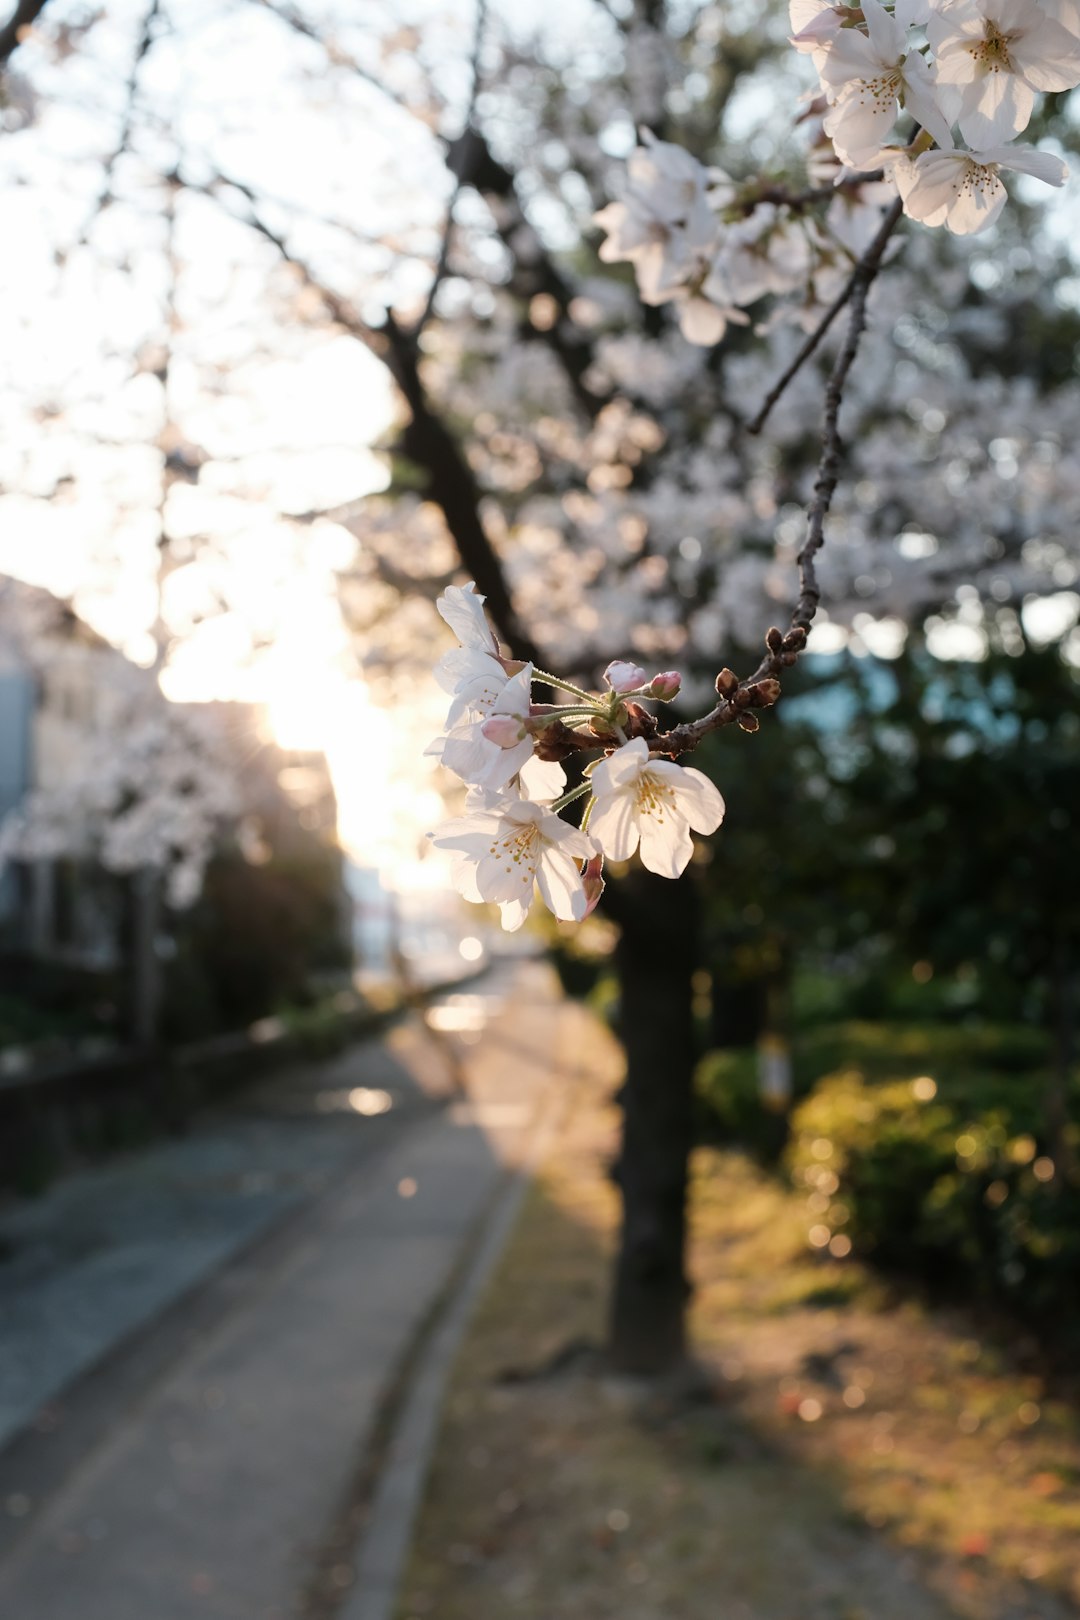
(847,293)
(461,178)
(127,123)
(739,698)
(339,58)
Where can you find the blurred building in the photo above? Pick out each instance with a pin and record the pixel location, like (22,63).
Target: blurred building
(55,691)
(274,914)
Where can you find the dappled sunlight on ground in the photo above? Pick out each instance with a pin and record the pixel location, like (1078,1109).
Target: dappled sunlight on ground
(860,1457)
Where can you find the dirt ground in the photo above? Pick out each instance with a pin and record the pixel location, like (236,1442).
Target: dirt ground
(852,1455)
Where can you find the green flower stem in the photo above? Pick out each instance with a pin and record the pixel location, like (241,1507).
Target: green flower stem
(564,686)
(568,798)
(589,808)
(563,711)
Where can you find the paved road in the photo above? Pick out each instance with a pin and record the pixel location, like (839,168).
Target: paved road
(198,1340)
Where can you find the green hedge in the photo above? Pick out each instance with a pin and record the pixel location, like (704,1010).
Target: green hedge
(916,1176)
(924,1146)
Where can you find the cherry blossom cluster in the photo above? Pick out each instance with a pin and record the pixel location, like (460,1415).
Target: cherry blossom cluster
(960,79)
(512,841)
(697,242)
(967,68)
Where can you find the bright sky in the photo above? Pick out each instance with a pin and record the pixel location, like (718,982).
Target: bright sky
(286,414)
(286,411)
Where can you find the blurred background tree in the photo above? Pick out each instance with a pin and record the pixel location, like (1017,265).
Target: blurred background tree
(415,186)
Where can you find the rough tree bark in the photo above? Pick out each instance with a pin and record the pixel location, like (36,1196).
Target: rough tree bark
(1059,1085)
(18,26)
(655,958)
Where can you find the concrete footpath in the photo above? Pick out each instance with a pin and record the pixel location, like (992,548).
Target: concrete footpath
(198,1341)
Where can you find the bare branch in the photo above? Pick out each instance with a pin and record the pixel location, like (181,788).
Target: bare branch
(442,263)
(292,19)
(762,689)
(145,40)
(426,439)
(809,348)
(19,26)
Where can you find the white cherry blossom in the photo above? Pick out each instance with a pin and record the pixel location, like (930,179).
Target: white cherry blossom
(471,754)
(666,226)
(475,681)
(653,803)
(814,25)
(963,190)
(865,76)
(511,849)
(462,607)
(994,55)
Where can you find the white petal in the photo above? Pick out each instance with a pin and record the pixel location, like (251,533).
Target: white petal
(499,877)
(995,109)
(516,694)
(698,799)
(620,767)
(542,779)
(701,322)
(561,888)
(614,826)
(567,839)
(859,126)
(921,100)
(467,752)
(513,913)
(505,763)
(463,609)
(886,36)
(666,846)
(1027,160)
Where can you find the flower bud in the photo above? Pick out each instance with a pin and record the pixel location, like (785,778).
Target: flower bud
(748,722)
(593,882)
(774,639)
(506,730)
(665,687)
(624,677)
(727,682)
(765,693)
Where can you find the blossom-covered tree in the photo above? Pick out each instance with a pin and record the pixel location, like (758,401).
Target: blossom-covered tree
(619,298)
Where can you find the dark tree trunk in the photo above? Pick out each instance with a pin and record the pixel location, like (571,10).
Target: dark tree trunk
(1058,1100)
(18,26)
(655,958)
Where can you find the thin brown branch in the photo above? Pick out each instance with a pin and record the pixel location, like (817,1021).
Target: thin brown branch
(442,263)
(19,26)
(426,440)
(127,123)
(340,309)
(739,698)
(340,58)
(847,293)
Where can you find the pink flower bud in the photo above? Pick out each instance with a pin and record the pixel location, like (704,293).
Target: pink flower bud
(624,677)
(666,686)
(593,882)
(506,730)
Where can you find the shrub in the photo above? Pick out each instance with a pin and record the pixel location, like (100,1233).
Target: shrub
(951,1182)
